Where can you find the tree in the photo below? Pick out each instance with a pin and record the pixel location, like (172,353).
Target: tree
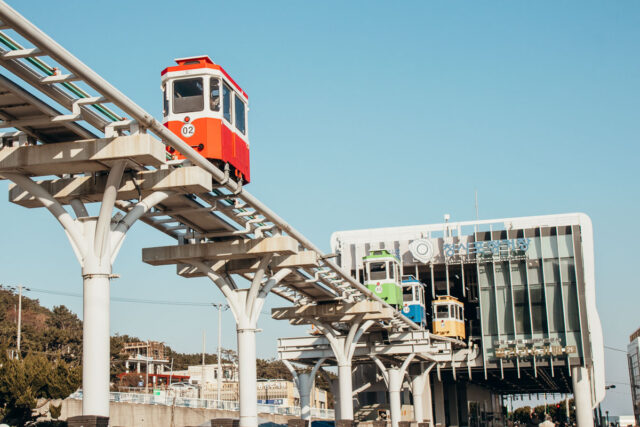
(24,381)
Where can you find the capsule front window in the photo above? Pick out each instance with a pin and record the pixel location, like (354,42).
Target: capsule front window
(188,95)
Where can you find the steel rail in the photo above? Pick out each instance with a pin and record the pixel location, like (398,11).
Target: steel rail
(54,50)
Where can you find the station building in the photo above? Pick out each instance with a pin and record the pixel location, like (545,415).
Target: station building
(528,289)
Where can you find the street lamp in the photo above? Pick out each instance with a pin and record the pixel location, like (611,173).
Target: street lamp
(220,307)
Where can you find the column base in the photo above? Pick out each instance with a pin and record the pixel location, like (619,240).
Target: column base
(88,421)
(298,422)
(225,422)
(345,423)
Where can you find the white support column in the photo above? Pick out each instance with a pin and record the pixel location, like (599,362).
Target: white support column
(582,396)
(421,386)
(394,377)
(96,242)
(246,304)
(304,381)
(343,348)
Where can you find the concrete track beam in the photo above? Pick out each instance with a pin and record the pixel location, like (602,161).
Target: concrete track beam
(334,312)
(90,155)
(90,189)
(305,259)
(216,251)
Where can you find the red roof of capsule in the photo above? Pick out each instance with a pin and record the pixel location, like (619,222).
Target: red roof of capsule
(195,62)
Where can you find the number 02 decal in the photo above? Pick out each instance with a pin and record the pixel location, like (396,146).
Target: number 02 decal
(188,130)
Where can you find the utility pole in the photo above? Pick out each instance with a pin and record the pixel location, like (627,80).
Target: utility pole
(19,320)
(220,307)
(202,371)
(146,382)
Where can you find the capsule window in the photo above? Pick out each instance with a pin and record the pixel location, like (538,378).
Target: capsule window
(442,311)
(214,91)
(377,271)
(165,101)
(406,294)
(188,96)
(226,103)
(240,118)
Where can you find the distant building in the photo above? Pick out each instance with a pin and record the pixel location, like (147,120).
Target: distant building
(153,349)
(633,356)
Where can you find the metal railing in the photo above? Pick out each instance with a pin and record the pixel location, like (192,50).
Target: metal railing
(193,402)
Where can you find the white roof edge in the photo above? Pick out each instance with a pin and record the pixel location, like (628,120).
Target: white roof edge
(514,222)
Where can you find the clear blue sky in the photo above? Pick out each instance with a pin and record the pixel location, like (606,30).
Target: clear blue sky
(368,114)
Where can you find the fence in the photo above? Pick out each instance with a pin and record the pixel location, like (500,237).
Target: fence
(192,402)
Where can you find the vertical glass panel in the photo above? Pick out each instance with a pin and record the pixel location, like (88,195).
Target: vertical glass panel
(505,311)
(565,245)
(240,117)
(535,250)
(571,307)
(521,306)
(485,272)
(551,271)
(549,246)
(518,273)
(554,308)
(567,270)
(535,272)
(501,273)
(488,307)
(188,95)
(538,316)
(226,103)
(214,91)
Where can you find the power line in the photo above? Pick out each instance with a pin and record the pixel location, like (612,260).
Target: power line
(132,300)
(615,349)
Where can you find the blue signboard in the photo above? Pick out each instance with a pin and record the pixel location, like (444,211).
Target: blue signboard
(488,247)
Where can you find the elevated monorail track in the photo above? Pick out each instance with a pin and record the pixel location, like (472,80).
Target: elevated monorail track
(52,80)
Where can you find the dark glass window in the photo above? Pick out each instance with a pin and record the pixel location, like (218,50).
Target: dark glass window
(188,96)
(378,271)
(226,103)
(240,118)
(442,311)
(165,101)
(407,294)
(214,90)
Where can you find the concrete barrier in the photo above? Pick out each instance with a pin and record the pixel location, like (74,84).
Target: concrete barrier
(137,415)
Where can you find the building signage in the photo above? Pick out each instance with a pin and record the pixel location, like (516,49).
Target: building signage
(487,247)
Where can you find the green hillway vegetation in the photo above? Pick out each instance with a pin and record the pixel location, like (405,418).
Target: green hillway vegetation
(49,366)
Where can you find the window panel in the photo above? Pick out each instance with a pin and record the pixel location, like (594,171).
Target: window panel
(226,103)
(188,96)
(214,91)
(521,306)
(538,316)
(567,268)
(549,246)
(240,117)
(565,245)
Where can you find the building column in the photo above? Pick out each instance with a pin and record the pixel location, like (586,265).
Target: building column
(343,347)
(438,393)
(582,396)
(394,377)
(304,381)
(96,242)
(246,304)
